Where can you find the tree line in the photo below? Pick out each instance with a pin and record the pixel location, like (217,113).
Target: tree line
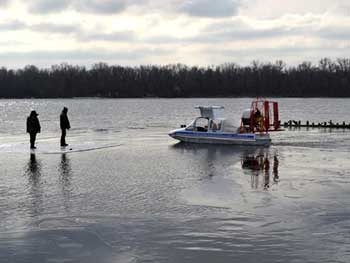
(329,78)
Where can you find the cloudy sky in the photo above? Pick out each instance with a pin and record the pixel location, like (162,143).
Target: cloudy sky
(193,32)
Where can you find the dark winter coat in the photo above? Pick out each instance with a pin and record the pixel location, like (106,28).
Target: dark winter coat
(64,122)
(33,125)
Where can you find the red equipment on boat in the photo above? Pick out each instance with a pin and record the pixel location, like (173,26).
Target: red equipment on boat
(264,117)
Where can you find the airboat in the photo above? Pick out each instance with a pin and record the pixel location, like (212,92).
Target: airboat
(213,128)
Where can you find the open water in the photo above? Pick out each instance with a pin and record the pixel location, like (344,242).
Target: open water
(124,191)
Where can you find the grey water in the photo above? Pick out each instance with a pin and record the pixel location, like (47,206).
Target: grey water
(126,192)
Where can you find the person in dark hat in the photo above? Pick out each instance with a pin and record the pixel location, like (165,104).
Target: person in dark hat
(65,125)
(33,127)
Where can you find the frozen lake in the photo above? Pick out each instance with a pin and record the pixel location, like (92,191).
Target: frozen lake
(127,192)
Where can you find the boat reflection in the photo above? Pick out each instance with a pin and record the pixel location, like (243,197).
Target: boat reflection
(216,160)
(258,165)
(223,150)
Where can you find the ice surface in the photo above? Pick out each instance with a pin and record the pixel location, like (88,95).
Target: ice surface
(129,193)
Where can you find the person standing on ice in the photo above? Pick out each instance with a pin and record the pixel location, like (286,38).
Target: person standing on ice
(65,125)
(33,127)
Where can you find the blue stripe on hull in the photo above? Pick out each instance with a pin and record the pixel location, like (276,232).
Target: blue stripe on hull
(216,135)
(224,138)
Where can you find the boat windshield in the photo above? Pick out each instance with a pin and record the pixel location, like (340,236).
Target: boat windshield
(199,124)
(190,127)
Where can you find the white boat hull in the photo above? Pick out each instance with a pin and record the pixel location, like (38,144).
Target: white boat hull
(220,137)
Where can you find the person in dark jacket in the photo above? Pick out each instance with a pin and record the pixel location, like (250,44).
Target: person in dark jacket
(65,125)
(33,127)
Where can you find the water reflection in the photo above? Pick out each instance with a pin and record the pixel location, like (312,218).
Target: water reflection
(218,159)
(209,160)
(65,170)
(213,160)
(258,164)
(33,171)
(275,169)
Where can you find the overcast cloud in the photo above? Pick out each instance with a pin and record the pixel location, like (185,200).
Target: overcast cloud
(107,7)
(198,8)
(45,6)
(4,2)
(100,7)
(209,8)
(55,28)
(123,36)
(11,25)
(195,32)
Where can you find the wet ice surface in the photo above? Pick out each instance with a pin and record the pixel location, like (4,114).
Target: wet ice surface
(127,192)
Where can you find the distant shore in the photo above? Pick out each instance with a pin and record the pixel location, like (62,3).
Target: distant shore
(327,79)
(213,97)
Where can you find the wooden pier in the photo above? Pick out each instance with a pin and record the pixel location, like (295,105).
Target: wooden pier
(308,124)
